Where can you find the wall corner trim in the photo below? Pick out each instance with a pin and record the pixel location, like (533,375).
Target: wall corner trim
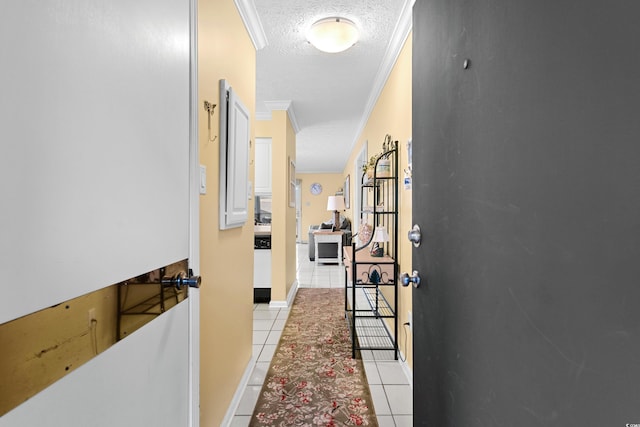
(290,297)
(286,106)
(249,15)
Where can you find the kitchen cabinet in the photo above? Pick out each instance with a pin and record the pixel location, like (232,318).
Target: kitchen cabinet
(263,166)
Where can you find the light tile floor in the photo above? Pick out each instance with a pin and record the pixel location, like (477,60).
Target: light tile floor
(390,389)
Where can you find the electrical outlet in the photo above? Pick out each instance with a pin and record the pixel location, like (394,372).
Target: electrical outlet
(410,320)
(91,315)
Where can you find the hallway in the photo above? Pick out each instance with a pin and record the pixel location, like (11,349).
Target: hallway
(390,389)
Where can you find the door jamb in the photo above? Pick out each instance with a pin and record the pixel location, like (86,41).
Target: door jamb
(194,222)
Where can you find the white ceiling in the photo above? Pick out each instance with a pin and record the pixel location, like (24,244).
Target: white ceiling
(328,96)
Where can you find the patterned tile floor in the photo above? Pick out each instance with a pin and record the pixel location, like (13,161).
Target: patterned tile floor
(390,389)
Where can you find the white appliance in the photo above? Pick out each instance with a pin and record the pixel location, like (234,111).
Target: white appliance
(262,268)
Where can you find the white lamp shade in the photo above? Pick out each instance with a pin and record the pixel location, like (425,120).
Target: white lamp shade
(333,35)
(381,235)
(335,203)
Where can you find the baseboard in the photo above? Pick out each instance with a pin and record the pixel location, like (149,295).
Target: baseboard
(233,406)
(290,297)
(402,359)
(406,369)
(292,293)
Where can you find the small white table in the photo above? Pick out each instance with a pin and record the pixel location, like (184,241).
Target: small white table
(322,236)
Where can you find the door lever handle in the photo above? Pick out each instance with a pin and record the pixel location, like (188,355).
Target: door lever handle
(406,280)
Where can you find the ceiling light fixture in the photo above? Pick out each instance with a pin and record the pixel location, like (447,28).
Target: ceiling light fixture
(333,35)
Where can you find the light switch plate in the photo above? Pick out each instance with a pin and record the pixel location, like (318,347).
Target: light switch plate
(203,179)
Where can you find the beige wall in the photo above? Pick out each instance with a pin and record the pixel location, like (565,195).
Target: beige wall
(314,208)
(392,115)
(283,218)
(224,51)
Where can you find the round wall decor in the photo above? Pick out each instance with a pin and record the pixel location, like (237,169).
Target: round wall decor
(315,188)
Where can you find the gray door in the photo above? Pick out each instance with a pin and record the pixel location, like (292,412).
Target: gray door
(526,159)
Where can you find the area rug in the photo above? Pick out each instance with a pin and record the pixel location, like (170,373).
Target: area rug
(312,379)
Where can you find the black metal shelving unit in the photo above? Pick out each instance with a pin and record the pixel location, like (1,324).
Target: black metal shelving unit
(371,291)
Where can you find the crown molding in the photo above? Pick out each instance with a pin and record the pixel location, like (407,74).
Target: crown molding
(278,105)
(264,116)
(400,34)
(252,23)
(285,106)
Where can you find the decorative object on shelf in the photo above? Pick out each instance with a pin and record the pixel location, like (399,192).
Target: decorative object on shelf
(383,169)
(335,204)
(386,144)
(370,166)
(380,236)
(315,189)
(364,233)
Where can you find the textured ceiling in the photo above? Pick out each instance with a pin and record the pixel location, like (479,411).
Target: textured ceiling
(326,94)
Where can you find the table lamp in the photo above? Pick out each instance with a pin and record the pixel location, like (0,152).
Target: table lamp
(379,237)
(335,204)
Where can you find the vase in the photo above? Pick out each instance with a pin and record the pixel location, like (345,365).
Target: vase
(383,170)
(369,173)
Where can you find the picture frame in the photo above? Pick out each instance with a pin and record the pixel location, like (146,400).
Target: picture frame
(347,192)
(292,183)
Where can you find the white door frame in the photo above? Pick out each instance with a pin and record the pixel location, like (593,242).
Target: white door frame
(194,223)
(299,210)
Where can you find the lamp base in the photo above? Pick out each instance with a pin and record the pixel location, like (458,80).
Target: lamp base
(376,250)
(336,220)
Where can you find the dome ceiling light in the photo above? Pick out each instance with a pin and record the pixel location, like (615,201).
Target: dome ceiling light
(333,35)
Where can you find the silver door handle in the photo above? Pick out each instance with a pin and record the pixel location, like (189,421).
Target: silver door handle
(415,235)
(406,280)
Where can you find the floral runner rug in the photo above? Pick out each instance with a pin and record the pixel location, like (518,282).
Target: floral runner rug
(312,379)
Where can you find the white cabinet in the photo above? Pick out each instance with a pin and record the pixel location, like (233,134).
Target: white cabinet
(263,166)
(234,158)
